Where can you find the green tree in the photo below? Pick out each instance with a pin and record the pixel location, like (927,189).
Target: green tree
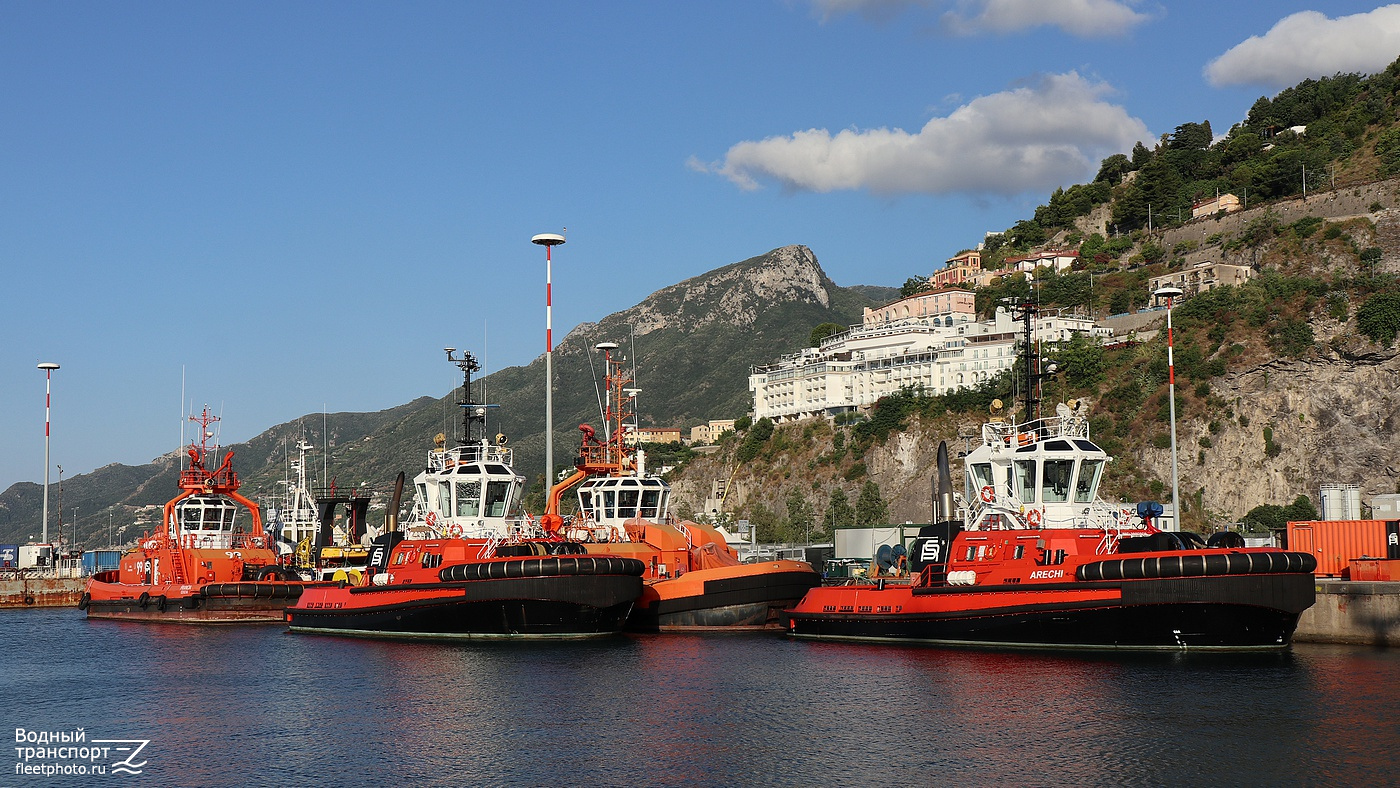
(754,441)
(871,509)
(822,331)
(1112,170)
(838,509)
(1082,360)
(799,514)
(1265,517)
(1379,318)
(766,524)
(912,285)
(1301,509)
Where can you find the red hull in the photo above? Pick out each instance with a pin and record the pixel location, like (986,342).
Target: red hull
(210,603)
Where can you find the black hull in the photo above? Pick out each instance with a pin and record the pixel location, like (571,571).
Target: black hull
(1217,613)
(531,607)
(748,602)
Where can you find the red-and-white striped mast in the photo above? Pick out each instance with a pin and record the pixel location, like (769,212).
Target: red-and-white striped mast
(548,241)
(1171,294)
(48,367)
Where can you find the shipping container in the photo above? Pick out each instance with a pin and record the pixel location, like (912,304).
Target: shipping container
(95,561)
(9,556)
(1386,507)
(31,555)
(1336,542)
(1378,570)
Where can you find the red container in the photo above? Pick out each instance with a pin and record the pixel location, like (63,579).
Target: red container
(1336,543)
(1379,569)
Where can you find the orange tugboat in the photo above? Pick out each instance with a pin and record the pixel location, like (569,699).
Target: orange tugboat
(1036,559)
(468,564)
(693,581)
(199,566)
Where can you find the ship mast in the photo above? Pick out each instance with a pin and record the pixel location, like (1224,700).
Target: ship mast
(472,413)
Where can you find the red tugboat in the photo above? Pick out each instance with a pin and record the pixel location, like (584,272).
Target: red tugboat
(468,564)
(693,579)
(199,566)
(1039,561)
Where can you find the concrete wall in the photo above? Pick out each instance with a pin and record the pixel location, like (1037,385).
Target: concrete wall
(1352,612)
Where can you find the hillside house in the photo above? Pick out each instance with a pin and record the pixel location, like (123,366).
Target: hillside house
(1228,203)
(1201,277)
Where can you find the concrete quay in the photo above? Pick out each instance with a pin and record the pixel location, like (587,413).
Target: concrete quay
(1352,612)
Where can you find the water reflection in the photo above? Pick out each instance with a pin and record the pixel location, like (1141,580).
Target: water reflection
(257,706)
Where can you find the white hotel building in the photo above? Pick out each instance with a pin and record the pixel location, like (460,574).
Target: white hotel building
(930,339)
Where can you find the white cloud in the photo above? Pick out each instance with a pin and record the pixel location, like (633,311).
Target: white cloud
(1029,139)
(1083,18)
(1310,45)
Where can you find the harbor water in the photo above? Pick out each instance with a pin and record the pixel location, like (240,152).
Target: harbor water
(257,706)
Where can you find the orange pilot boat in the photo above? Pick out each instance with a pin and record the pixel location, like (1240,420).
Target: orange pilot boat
(199,565)
(693,580)
(1033,558)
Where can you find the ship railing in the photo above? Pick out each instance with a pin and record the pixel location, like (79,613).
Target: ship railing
(440,460)
(1015,435)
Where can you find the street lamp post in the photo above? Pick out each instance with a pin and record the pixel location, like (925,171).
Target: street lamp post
(1171,294)
(548,241)
(48,367)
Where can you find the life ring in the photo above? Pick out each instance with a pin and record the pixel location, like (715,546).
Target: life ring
(454,530)
(991,552)
(989,494)
(431,519)
(1033,518)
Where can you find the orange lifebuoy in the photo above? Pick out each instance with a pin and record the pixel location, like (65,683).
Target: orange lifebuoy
(989,494)
(1033,518)
(454,530)
(991,552)
(431,519)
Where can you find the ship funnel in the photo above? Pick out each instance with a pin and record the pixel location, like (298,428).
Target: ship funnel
(391,517)
(943,509)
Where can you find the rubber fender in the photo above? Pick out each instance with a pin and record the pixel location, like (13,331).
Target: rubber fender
(143,600)
(1226,539)
(543,567)
(1197,565)
(160,603)
(84,601)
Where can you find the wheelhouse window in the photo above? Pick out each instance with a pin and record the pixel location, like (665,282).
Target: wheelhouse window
(1088,482)
(1025,480)
(468,499)
(1057,481)
(981,477)
(651,504)
(497,494)
(627,502)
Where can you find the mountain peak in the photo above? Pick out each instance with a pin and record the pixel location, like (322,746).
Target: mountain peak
(733,294)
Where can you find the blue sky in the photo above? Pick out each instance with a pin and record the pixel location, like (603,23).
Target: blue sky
(296,206)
